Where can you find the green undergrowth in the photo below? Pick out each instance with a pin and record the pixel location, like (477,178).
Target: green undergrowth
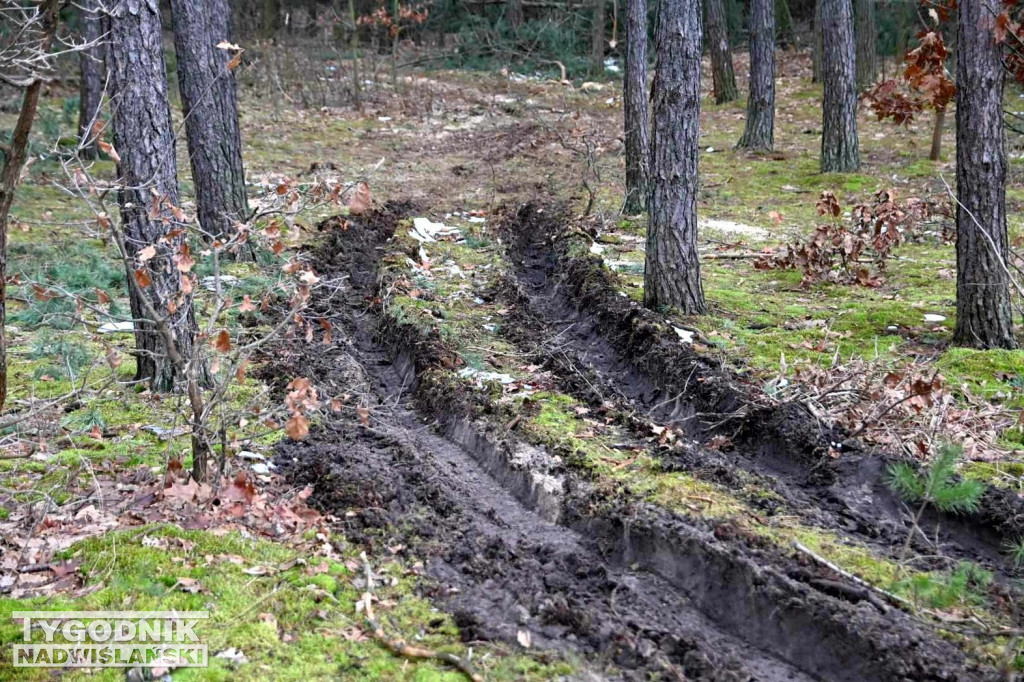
(292,615)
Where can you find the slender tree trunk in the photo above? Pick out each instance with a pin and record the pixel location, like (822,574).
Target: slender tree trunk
(983,310)
(270,18)
(312,16)
(513,14)
(760,130)
(14,155)
(210,104)
(936,150)
(672,269)
(840,150)
(144,139)
(866,31)
(783,24)
(90,87)
(597,39)
(818,47)
(636,112)
(357,85)
(722,74)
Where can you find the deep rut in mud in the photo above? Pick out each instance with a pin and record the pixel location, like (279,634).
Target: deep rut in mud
(610,352)
(634,591)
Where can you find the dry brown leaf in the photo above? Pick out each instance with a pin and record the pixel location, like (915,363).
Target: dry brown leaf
(297,427)
(361,200)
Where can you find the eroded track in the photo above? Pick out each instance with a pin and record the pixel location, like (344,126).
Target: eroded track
(512,541)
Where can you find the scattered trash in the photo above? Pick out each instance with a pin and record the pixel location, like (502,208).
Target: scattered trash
(934,317)
(425,230)
(116,327)
(684,335)
(482,376)
(210,283)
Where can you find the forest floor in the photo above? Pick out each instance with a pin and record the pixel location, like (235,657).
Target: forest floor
(527,470)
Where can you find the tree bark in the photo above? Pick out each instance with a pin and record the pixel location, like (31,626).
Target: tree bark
(144,139)
(760,129)
(636,112)
(672,269)
(90,87)
(722,74)
(818,48)
(210,104)
(14,154)
(866,31)
(983,310)
(840,150)
(597,39)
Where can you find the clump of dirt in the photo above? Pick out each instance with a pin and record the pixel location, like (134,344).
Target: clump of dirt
(635,590)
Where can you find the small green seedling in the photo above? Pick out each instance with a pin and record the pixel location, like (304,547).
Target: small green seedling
(936,485)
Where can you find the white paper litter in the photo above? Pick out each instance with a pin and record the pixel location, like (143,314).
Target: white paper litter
(934,317)
(116,327)
(424,230)
(684,335)
(481,376)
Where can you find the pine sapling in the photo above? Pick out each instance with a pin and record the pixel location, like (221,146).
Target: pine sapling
(936,485)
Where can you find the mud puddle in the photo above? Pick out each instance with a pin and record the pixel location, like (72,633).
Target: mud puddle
(630,589)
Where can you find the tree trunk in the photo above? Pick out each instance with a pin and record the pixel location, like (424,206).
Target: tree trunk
(513,14)
(783,24)
(597,39)
(983,311)
(269,19)
(816,52)
(312,16)
(636,112)
(144,139)
(722,74)
(14,155)
(210,104)
(866,31)
(840,150)
(936,150)
(90,87)
(760,131)
(672,269)
(354,46)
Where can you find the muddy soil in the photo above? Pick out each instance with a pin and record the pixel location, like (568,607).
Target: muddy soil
(516,545)
(634,363)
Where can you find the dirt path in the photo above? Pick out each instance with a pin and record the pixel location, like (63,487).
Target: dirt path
(515,551)
(504,570)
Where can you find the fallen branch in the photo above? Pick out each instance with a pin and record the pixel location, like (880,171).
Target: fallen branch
(398,646)
(894,598)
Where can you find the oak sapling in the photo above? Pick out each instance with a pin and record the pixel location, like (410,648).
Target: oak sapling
(936,485)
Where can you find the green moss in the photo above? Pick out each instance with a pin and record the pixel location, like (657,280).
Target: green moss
(992,374)
(285,629)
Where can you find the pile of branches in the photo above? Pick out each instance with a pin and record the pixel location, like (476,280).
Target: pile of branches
(905,406)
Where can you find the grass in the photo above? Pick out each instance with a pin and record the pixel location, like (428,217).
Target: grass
(292,614)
